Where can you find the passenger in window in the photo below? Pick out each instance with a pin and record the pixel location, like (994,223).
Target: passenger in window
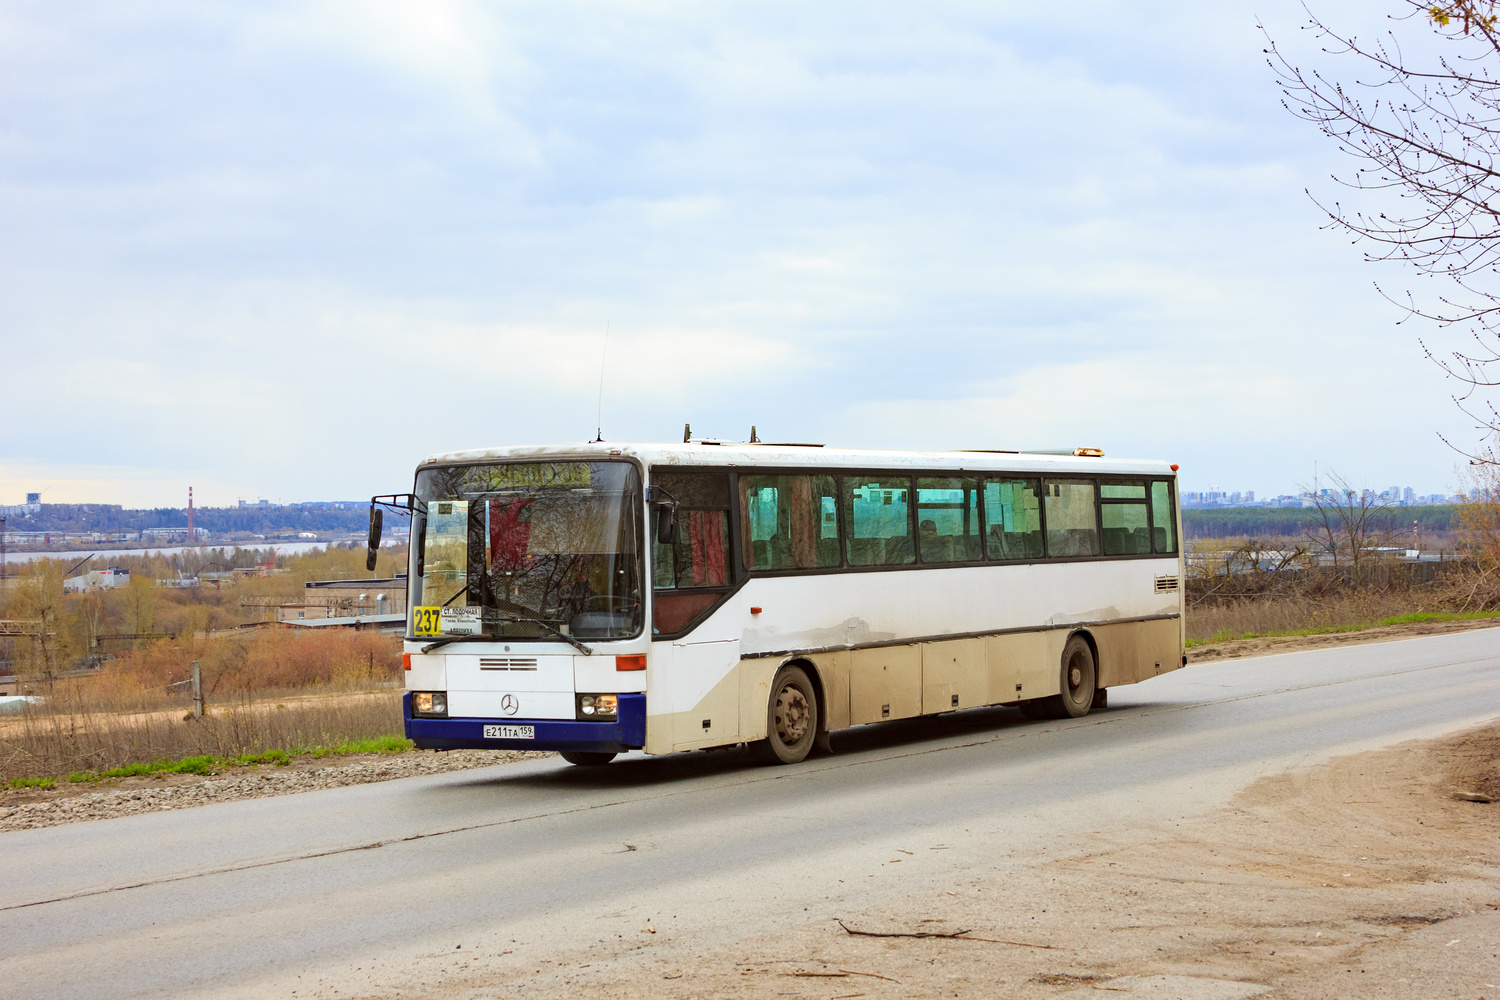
(928,535)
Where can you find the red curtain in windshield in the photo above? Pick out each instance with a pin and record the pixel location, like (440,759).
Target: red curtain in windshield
(509,536)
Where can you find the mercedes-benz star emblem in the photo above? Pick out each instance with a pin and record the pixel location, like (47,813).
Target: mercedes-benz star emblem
(510,705)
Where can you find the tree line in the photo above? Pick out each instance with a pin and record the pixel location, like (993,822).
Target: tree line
(1289,522)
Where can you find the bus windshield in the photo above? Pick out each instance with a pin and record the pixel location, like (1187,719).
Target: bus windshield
(519,550)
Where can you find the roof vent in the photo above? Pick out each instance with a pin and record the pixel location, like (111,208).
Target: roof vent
(1088,452)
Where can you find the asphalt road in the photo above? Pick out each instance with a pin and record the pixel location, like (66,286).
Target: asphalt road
(372,887)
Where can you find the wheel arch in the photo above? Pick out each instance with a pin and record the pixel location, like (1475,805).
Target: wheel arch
(819,688)
(1093,642)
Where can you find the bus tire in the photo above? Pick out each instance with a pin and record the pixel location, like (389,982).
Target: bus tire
(586,758)
(1079,680)
(791,718)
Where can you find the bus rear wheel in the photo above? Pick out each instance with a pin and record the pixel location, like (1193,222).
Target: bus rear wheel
(586,758)
(1078,686)
(1079,679)
(791,718)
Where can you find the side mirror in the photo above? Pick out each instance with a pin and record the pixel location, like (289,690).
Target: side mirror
(377,516)
(666,524)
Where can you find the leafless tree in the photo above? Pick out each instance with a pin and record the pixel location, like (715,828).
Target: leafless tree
(1421,118)
(1351,523)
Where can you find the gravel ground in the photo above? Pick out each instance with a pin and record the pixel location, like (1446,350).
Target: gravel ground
(29,809)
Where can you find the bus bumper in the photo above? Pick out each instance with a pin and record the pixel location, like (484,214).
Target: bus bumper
(628,732)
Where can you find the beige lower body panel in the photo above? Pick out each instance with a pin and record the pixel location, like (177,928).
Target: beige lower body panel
(898,682)
(885,683)
(1135,651)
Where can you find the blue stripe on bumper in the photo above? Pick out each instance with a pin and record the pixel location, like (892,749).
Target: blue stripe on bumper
(627,733)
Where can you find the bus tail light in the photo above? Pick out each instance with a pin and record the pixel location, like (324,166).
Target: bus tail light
(635,661)
(405,661)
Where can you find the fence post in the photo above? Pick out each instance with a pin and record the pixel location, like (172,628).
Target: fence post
(197,691)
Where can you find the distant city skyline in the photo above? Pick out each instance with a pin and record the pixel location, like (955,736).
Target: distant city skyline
(1404,496)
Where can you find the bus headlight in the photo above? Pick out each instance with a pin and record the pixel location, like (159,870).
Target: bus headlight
(430,703)
(598,706)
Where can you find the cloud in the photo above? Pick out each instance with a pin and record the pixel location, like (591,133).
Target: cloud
(291,249)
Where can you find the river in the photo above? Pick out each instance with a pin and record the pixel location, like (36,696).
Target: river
(105,555)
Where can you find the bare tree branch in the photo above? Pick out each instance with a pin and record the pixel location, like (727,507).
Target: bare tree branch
(1425,131)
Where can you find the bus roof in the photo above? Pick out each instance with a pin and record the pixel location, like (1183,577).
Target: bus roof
(798,456)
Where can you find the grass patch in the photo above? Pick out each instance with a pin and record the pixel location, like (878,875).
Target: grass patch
(278,757)
(1439,616)
(197,764)
(206,764)
(32,782)
(1224,635)
(378,744)
(200,764)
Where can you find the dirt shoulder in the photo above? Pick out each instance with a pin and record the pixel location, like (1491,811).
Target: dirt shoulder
(1236,648)
(27,809)
(1370,876)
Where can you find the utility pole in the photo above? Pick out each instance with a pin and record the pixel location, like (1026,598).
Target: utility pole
(197,691)
(2,548)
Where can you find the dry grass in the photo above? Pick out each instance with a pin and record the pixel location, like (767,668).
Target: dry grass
(1278,614)
(274,690)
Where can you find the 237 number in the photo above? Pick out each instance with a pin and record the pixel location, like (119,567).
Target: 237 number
(425,621)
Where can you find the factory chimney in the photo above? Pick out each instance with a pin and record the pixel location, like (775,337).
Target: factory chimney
(192,535)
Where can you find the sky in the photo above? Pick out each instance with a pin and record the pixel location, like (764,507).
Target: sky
(287,250)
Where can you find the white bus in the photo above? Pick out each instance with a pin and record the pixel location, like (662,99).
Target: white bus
(600,598)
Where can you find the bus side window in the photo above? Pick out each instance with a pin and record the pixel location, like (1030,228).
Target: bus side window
(948,519)
(1013,519)
(785,522)
(691,575)
(1163,523)
(1072,524)
(878,514)
(1125,519)
(700,556)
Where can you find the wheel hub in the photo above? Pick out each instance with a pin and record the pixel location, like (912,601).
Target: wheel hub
(792,715)
(1075,677)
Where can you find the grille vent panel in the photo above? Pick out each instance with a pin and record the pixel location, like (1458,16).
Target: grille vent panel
(507,663)
(1166,584)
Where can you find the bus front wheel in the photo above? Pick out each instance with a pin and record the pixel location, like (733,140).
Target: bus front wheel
(586,758)
(791,718)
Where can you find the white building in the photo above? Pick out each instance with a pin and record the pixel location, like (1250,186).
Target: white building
(100,579)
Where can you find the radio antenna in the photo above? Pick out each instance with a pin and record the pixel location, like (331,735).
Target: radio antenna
(599,413)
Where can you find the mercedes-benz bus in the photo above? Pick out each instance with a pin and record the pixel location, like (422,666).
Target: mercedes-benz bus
(599,598)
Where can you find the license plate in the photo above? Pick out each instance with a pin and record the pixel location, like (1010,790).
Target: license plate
(510,732)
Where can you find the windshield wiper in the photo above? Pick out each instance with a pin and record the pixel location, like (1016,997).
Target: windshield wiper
(513,619)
